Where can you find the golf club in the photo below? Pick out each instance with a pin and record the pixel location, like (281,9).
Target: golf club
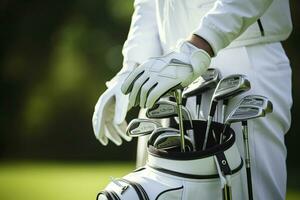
(243,114)
(227,88)
(178,97)
(157,132)
(232,86)
(205,82)
(254,101)
(141,127)
(258,101)
(172,140)
(166,109)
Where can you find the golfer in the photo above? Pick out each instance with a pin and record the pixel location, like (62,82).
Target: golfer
(172,42)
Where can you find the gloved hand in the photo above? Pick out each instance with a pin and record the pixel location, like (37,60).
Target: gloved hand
(110,112)
(154,78)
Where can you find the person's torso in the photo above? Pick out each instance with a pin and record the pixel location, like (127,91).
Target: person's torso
(177,19)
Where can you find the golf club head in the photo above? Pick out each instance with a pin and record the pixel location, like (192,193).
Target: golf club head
(244,113)
(171,140)
(140,127)
(205,82)
(166,109)
(231,86)
(258,101)
(157,132)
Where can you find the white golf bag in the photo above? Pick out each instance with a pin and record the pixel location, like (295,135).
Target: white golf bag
(212,174)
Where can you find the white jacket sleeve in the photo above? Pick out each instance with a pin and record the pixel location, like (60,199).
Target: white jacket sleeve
(143,40)
(228,19)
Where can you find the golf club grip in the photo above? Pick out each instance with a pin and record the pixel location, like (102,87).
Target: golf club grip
(249,183)
(198,103)
(212,108)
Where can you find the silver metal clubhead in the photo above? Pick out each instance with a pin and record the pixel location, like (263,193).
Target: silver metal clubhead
(244,113)
(166,109)
(171,140)
(140,127)
(258,101)
(205,82)
(157,132)
(231,86)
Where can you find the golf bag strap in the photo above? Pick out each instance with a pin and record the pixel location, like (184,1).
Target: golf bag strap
(225,175)
(223,163)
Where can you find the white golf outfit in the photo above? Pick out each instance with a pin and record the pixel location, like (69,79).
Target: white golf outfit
(245,36)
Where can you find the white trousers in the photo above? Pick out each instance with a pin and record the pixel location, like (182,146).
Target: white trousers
(268,69)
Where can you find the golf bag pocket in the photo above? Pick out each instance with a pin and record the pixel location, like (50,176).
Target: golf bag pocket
(143,184)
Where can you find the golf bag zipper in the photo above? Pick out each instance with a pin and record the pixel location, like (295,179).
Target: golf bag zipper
(123,187)
(138,189)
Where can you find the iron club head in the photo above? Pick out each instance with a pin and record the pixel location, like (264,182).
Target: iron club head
(231,86)
(140,127)
(244,113)
(171,140)
(257,101)
(166,109)
(157,132)
(205,82)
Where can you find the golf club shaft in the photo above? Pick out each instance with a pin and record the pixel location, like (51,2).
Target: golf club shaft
(247,159)
(209,120)
(224,106)
(207,132)
(223,113)
(178,97)
(226,128)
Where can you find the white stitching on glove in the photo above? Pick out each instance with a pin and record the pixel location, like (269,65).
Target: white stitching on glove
(154,78)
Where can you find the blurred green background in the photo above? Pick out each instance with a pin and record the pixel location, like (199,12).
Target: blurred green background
(55,57)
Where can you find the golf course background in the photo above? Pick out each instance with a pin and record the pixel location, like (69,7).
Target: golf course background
(55,57)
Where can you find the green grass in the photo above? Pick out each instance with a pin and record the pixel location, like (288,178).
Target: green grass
(63,181)
(56,181)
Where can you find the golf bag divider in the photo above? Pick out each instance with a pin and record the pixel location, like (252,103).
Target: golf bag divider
(172,175)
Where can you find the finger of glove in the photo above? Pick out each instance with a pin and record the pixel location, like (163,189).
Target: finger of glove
(134,97)
(145,91)
(121,108)
(99,130)
(129,81)
(121,128)
(112,134)
(98,118)
(158,91)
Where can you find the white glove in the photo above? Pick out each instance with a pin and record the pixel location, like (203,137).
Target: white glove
(110,112)
(157,76)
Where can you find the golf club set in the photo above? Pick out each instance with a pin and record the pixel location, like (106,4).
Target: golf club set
(198,156)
